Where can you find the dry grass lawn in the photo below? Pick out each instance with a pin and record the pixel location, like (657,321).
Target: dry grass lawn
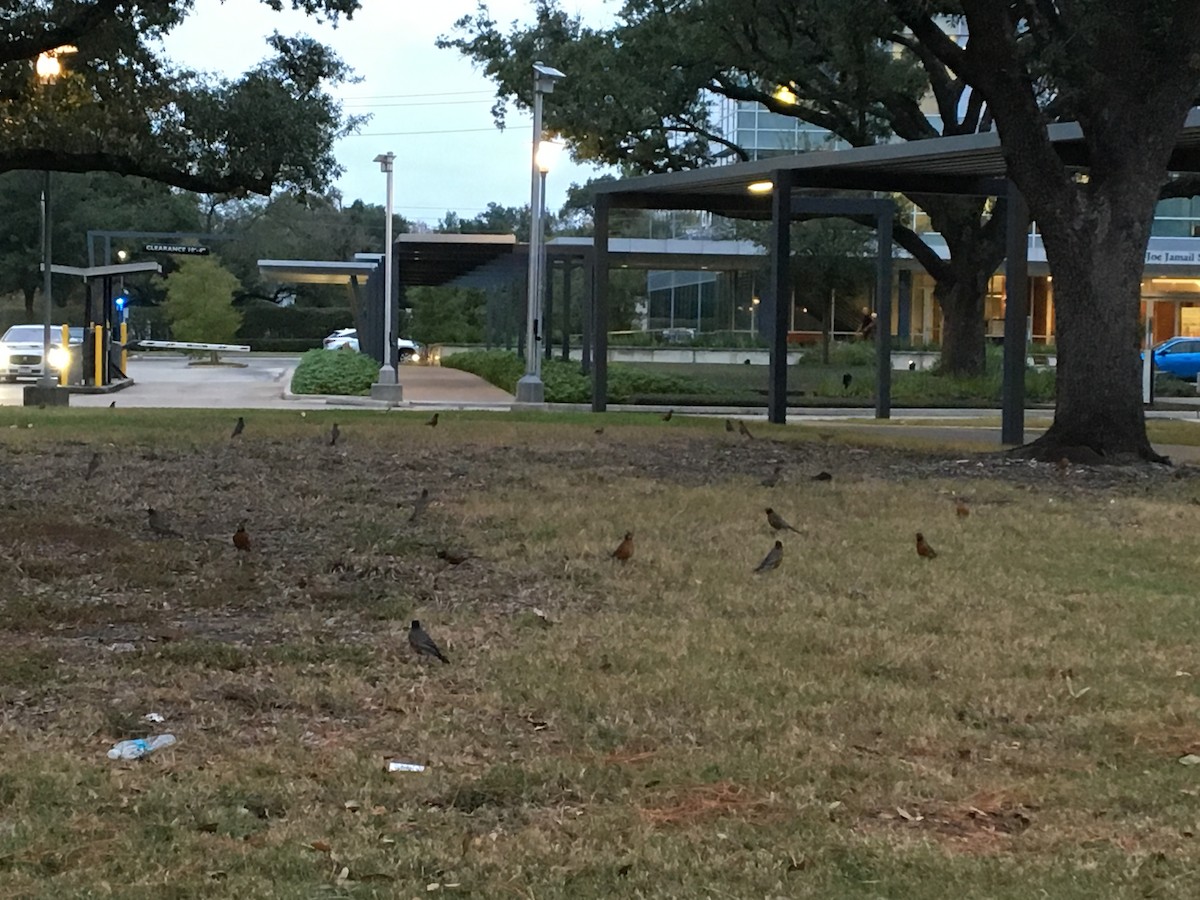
(1004,721)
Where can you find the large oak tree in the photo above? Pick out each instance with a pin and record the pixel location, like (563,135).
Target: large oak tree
(121,106)
(1128,71)
(639,94)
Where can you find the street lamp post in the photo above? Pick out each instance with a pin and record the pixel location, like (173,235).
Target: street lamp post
(388,387)
(48,67)
(545,157)
(530,388)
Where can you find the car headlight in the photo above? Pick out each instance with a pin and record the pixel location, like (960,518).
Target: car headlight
(59,358)
(4,359)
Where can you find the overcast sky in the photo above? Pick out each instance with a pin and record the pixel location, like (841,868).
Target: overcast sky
(429,106)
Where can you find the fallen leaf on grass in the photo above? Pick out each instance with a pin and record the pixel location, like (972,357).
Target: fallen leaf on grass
(321,846)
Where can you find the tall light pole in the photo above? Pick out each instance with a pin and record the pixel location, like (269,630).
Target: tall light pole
(544,158)
(387,388)
(48,68)
(530,388)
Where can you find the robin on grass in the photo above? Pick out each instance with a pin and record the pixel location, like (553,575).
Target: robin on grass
(432,423)
(729,426)
(334,434)
(772,479)
(625,548)
(743,430)
(422,643)
(667,416)
(419,505)
(599,431)
(846,379)
(822,476)
(92,467)
(960,508)
(923,549)
(773,558)
(776,521)
(241,539)
(158,523)
(454,557)
(238,428)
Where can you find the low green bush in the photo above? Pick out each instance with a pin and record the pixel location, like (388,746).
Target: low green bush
(334,372)
(563,381)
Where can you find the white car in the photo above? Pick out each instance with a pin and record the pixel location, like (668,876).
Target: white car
(21,351)
(348,337)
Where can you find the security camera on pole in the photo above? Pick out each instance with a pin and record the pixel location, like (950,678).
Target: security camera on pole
(530,388)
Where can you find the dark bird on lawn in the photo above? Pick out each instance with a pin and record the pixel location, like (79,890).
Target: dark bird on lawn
(773,558)
(912,365)
(454,557)
(113,405)
(667,417)
(776,521)
(432,423)
(743,430)
(158,523)
(625,548)
(846,379)
(729,426)
(772,479)
(419,505)
(422,643)
(241,539)
(238,428)
(92,467)
(334,434)
(822,476)
(923,549)
(960,508)
(1063,465)
(599,431)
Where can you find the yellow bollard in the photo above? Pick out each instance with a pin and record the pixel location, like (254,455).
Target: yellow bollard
(98,346)
(124,352)
(65,374)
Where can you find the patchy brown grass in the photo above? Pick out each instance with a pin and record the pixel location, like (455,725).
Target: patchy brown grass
(1004,720)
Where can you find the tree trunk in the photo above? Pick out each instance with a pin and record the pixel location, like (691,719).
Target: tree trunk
(963,334)
(1097,288)
(29,293)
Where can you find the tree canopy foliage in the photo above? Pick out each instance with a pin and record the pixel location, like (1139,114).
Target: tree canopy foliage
(121,106)
(200,302)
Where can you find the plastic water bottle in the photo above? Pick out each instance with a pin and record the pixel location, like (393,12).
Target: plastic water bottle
(140,747)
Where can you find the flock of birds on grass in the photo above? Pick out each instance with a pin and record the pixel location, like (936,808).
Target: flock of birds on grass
(418,639)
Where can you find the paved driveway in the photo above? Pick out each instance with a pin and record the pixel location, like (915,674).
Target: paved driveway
(169,381)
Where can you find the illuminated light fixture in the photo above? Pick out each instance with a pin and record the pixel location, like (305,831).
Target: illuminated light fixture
(547,154)
(1193,282)
(761,187)
(48,67)
(785,94)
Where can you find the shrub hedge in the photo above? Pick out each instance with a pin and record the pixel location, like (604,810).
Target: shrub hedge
(334,372)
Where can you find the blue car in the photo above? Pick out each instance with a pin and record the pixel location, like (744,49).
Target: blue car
(1179,356)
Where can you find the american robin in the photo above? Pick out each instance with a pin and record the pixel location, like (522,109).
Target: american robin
(960,508)
(923,549)
(158,523)
(822,476)
(432,423)
(334,434)
(238,428)
(422,643)
(241,539)
(772,479)
(729,426)
(743,430)
(667,417)
(92,467)
(625,548)
(773,558)
(846,379)
(599,431)
(1063,465)
(454,557)
(419,505)
(776,521)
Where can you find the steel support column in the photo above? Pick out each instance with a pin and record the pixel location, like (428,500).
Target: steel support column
(1016,294)
(780,249)
(600,306)
(883,312)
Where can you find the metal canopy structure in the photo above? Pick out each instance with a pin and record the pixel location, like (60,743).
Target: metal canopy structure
(430,260)
(774,189)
